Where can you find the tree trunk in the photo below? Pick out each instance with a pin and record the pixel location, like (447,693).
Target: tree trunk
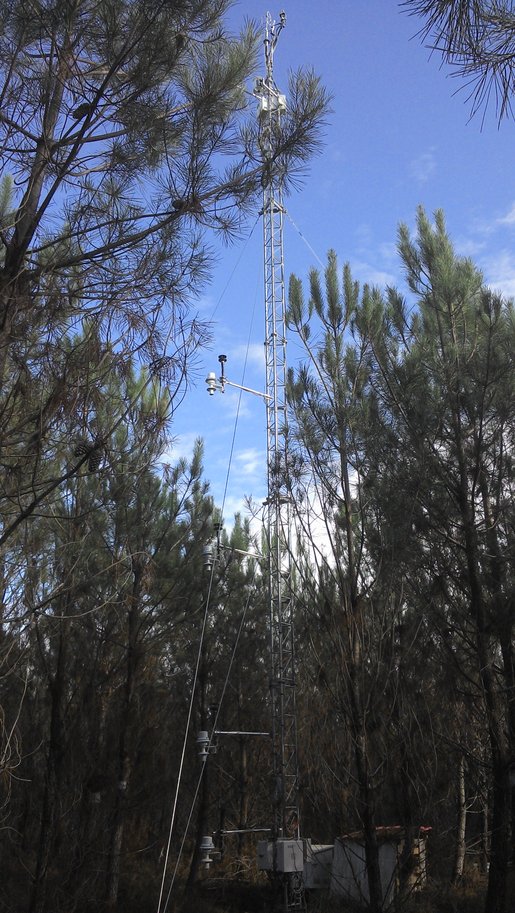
(485,835)
(496,896)
(502,610)
(500,841)
(244,795)
(52,788)
(366,796)
(243,777)
(354,688)
(124,746)
(460,848)
(509,679)
(501,793)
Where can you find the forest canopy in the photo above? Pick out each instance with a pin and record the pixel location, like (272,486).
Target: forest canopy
(128,146)
(401,431)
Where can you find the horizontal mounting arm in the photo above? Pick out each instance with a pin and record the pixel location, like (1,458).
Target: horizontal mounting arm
(219,383)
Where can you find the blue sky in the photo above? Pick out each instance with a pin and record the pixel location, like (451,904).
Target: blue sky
(400,135)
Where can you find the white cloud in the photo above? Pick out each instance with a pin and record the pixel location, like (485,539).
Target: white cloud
(423,167)
(235,403)
(467,247)
(364,237)
(205,304)
(239,505)
(388,252)
(249,463)
(372,274)
(485,228)
(499,272)
(377,259)
(253,355)
(509,218)
(180,447)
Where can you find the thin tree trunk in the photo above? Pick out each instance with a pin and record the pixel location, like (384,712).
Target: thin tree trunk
(502,604)
(357,714)
(243,777)
(124,746)
(500,826)
(500,841)
(55,754)
(485,835)
(460,848)
(244,795)
(366,803)
(403,791)
(496,897)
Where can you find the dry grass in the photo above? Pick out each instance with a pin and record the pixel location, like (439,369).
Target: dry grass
(243,890)
(233,895)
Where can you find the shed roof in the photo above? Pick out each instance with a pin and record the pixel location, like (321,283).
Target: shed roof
(392,832)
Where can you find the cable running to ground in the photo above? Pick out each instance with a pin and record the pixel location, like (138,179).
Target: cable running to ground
(215,721)
(160,908)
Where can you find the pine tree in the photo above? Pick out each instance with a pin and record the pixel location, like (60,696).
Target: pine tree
(476,37)
(125,136)
(444,378)
(107,587)
(402,426)
(326,467)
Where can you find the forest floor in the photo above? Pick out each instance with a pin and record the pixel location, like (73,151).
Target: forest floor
(219,895)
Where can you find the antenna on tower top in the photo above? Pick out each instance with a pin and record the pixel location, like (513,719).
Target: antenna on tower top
(272,31)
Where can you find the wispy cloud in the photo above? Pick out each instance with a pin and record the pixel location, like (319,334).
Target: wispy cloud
(468,247)
(509,218)
(249,462)
(423,167)
(364,237)
(484,227)
(234,505)
(181,447)
(499,272)
(253,355)
(205,304)
(373,275)
(235,403)
(376,259)
(248,476)
(388,252)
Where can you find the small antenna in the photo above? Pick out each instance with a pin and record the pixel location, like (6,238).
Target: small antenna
(272,32)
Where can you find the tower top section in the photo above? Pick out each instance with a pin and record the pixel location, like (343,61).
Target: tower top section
(272,31)
(272,104)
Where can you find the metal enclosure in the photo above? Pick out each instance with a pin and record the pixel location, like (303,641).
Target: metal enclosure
(282,855)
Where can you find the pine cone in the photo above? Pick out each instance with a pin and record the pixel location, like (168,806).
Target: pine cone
(95,459)
(82,447)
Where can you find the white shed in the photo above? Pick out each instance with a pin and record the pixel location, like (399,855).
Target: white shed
(349,871)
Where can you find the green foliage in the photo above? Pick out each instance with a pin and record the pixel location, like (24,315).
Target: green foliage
(402,423)
(476,37)
(131,135)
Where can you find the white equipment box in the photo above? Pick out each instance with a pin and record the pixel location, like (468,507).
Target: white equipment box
(289,855)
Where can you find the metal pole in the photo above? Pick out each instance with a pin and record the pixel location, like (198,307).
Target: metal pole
(286,822)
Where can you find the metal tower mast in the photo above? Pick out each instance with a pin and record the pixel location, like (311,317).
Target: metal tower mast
(284,854)
(272,105)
